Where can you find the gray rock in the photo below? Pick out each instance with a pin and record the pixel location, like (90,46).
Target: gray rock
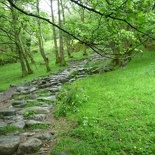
(9,144)
(80,76)
(8,112)
(53,82)
(32,145)
(14,118)
(44,136)
(19,104)
(27,134)
(32,96)
(54,90)
(19,124)
(33,122)
(50,98)
(39,110)
(2,125)
(38,117)
(22,89)
(33,89)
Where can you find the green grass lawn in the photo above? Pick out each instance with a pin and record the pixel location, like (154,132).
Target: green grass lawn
(117,116)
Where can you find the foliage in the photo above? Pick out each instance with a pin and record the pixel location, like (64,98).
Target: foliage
(118,117)
(69,101)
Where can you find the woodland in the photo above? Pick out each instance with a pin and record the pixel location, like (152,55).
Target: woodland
(112,29)
(105,113)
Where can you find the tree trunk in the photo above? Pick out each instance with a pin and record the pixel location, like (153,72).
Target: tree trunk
(83,20)
(67,37)
(17,41)
(22,63)
(24,51)
(40,40)
(57,58)
(61,46)
(68,49)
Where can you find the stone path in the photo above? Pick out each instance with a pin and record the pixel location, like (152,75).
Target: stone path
(31,106)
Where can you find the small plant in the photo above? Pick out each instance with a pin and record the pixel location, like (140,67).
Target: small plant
(69,100)
(27,114)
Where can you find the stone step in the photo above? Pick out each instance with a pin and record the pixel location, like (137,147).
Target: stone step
(29,146)
(30,123)
(19,104)
(8,112)
(9,144)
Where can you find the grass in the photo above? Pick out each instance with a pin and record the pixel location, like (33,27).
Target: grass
(38,126)
(118,116)
(9,129)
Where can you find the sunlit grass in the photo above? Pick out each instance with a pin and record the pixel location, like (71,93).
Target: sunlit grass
(118,116)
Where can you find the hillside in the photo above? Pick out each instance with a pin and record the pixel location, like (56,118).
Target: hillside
(111,113)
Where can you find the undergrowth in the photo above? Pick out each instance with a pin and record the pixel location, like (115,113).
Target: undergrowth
(69,100)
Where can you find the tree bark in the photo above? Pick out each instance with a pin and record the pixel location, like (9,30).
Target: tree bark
(40,40)
(17,41)
(57,57)
(61,45)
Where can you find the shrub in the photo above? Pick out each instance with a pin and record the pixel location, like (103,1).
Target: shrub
(69,99)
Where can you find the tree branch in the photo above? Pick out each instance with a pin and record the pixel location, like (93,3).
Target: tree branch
(47,20)
(112,17)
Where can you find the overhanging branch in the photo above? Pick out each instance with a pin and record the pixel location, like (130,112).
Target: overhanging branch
(47,20)
(112,17)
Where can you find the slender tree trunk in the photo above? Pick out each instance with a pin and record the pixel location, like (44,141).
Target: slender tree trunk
(22,63)
(17,41)
(61,46)
(68,49)
(23,50)
(57,58)
(67,38)
(40,40)
(83,20)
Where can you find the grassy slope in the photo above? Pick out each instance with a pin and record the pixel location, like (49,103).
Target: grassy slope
(118,116)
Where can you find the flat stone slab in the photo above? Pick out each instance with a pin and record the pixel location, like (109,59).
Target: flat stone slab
(22,89)
(9,144)
(8,112)
(38,117)
(33,122)
(33,89)
(44,136)
(54,90)
(19,104)
(19,124)
(39,110)
(13,118)
(32,145)
(49,98)
(36,109)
